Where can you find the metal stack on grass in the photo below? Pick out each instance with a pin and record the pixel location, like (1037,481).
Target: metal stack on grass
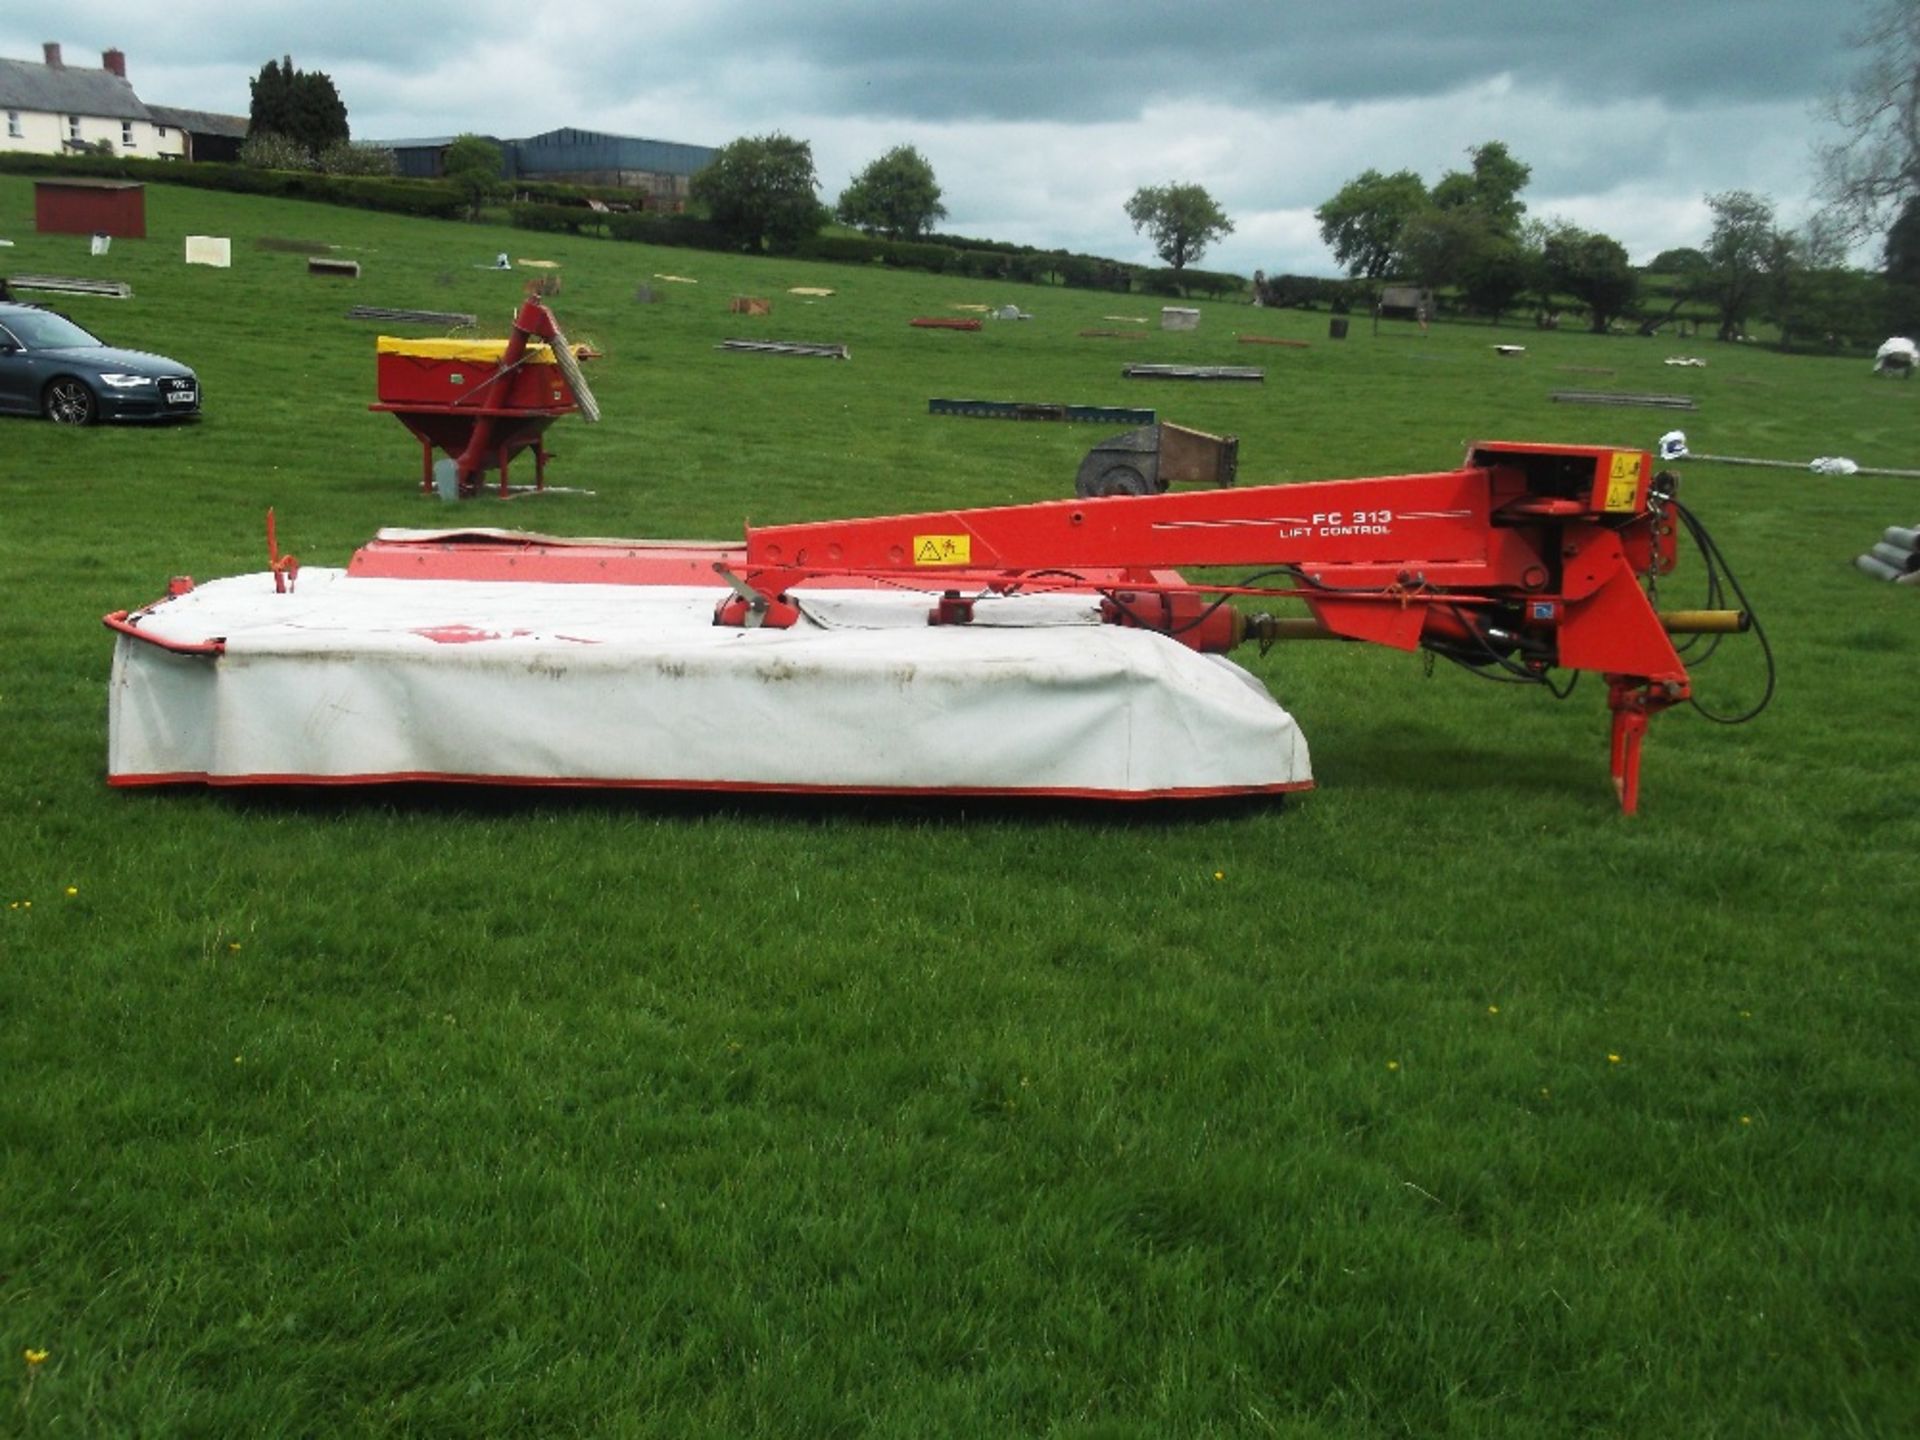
(1895,556)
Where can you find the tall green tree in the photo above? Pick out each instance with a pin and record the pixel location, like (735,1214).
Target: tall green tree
(1743,251)
(1442,247)
(896,195)
(1494,274)
(472,166)
(1677,261)
(1593,268)
(1181,220)
(302,105)
(272,108)
(1900,255)
(1534,235)
(1363,222)
(1435,245)
(1679,277)
(1818,304)
(760,191)
(1491,189)
(1901,261)
(1378,225)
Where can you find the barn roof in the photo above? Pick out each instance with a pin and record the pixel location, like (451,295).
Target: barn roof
(200,122)
(569,148)
(68,90)
(87,182)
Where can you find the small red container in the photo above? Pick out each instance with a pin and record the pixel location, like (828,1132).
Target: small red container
(442,391)
(467,373)
(83,205)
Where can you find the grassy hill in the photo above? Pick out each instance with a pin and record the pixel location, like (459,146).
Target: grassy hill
(1444,1100)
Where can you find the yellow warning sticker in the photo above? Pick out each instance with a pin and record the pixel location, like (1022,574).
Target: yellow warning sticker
(1623,481)
(943,549)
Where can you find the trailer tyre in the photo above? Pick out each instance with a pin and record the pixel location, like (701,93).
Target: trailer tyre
(1115,480)
(68,401)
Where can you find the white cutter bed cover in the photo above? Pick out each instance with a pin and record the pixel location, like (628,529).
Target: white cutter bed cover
(356,680)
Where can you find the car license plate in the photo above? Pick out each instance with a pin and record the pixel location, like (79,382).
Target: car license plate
(182,397)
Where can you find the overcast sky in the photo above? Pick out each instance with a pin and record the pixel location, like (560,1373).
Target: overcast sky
(1040,119)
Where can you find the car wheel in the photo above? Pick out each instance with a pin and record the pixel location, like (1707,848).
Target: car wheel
(69,402)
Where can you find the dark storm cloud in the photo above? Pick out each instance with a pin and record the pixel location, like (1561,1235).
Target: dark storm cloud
(1085,60)
(221,32)
(1041,118)
(1017,60)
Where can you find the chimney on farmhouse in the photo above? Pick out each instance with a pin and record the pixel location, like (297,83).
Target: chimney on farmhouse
(53,54)
(114,61)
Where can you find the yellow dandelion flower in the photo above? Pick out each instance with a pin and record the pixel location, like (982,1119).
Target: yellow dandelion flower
(1393,1064)
(1746,1119)
(1612,1058)
(233,945)
(1493,1009)
(73,890)
(1219,874)
(35,1357)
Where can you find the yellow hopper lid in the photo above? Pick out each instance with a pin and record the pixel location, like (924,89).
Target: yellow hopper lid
(485,352)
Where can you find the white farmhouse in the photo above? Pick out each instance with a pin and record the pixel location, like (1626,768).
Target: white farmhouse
(53,108)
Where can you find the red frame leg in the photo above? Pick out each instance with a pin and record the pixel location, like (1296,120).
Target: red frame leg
(1629,729)
(1633,702)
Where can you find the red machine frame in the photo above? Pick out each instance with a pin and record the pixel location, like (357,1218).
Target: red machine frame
(1534,552)
(1528,557)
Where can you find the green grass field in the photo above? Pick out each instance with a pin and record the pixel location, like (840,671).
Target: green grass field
(1443,1101)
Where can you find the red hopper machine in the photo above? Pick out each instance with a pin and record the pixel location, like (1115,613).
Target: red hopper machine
(482,402)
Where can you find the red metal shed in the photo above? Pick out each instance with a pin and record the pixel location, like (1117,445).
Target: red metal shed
(83,206)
